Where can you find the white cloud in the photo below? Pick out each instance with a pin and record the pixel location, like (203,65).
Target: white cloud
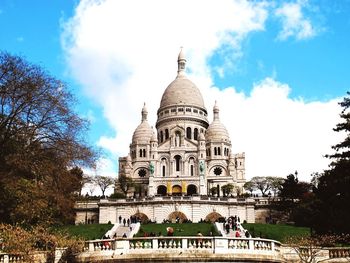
(124,53)
(278,134)
(294,23)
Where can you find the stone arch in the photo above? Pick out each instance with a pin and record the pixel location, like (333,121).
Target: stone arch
(161,190)
(177,215)
(141,172)
(143,218)
(191,189)
(164,166)
(188,133)
(176,190)
(213,217)
(178,161)
(191,166)
(195,134)
(217,172)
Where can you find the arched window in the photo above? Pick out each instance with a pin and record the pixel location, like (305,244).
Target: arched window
(163,163)
(219,150)
(166,134)
(144,152)
(191,166)
(215,151)
(161,136)
(161,190)
(140,152)
(177,163)
(189,133)
(195,134)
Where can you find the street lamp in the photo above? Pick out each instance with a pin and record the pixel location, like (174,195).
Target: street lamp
(269,204)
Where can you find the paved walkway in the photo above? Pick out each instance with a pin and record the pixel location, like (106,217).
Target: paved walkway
(121,230)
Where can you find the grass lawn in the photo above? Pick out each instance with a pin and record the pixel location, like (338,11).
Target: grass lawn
(87,232)
(276,232)
(185,229)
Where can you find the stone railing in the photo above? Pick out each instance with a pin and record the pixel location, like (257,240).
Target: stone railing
(212,244)
(339,252)
(8,258)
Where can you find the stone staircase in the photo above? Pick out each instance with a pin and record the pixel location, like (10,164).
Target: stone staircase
(121,230)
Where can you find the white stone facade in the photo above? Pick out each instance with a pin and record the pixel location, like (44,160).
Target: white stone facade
(168,161)
(158,209)
(180,169)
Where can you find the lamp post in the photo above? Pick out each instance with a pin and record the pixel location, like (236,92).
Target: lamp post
(269,204)
(86,204)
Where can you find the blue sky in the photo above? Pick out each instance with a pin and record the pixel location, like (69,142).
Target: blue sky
(277,68)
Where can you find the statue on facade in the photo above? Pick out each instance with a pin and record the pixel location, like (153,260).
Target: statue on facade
(151,168)
(177,140)
(201,166)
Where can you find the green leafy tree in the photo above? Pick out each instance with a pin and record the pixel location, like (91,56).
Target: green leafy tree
(276,184)
(249,186)
(292,189)
(124,184)
(332,190)
(227,189)
(42,145)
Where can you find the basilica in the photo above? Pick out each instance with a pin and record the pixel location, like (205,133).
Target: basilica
(183,170)
(186,155)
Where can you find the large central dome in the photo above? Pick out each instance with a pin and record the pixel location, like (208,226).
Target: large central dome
(182,91)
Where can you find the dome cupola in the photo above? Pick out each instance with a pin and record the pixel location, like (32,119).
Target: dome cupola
(216,131)
(143,133)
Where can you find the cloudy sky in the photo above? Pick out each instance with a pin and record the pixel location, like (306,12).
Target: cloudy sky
(276,68)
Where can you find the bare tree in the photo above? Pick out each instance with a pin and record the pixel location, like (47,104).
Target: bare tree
(103,182)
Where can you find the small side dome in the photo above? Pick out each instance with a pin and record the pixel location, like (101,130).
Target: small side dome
(216,130)
(143,133)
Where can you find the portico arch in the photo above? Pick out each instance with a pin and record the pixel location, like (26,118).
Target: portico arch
(213,217)
(141,217)
(191,189)
(161,190)
(177,215)
(176,190)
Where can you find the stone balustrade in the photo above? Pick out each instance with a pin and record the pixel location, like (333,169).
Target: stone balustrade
(213,244)
(94,203)
(8,258)
(339,252)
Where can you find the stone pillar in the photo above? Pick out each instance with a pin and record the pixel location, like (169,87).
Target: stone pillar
(251,244)
(151,188)
(202,185)
(184,243)
(91,246)
(154,243)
